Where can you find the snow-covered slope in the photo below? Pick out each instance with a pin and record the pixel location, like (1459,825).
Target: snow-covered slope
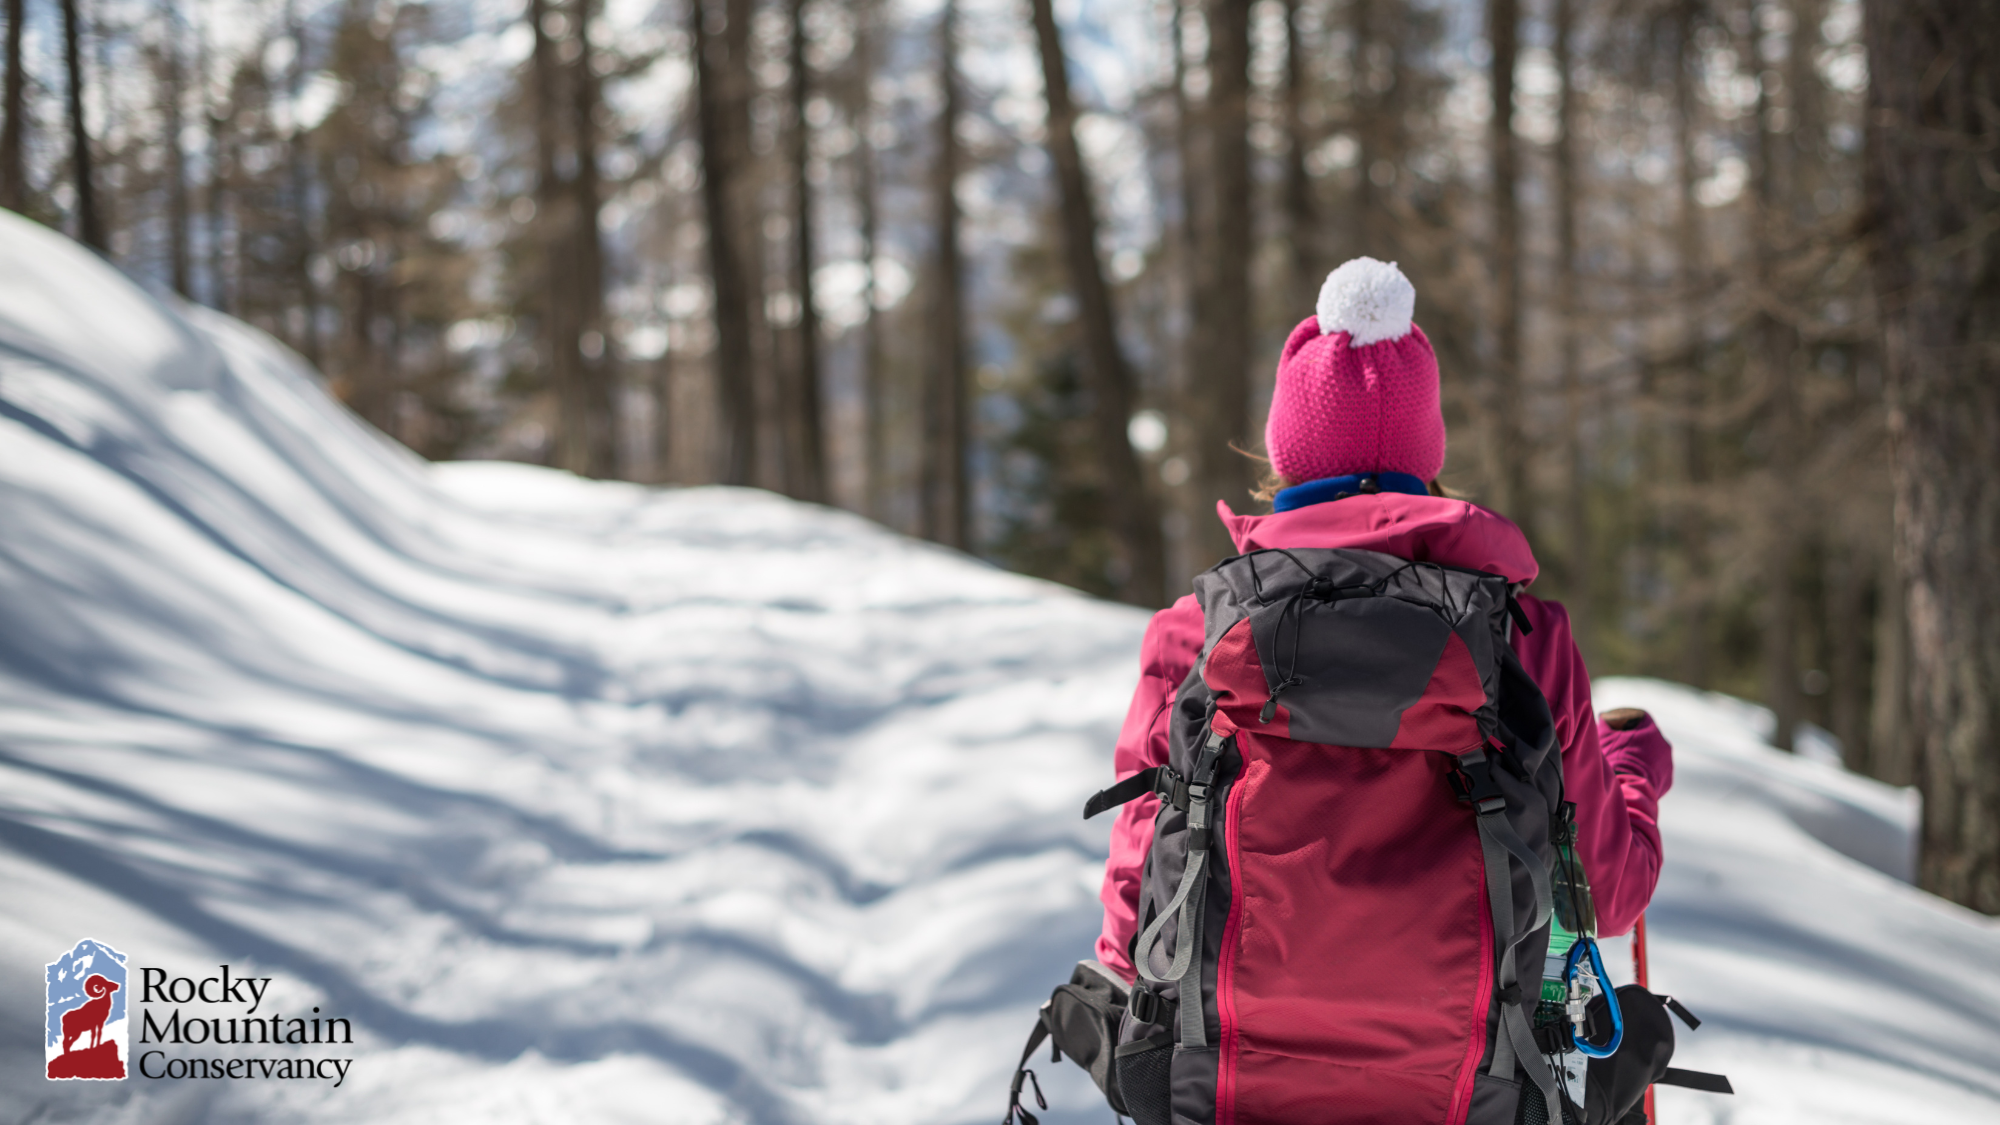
(593,803)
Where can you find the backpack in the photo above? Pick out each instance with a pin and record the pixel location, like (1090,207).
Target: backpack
(1346,905)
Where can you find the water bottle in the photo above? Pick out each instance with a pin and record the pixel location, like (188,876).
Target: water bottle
(1575,917)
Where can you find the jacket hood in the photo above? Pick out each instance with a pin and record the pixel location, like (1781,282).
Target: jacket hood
(1419,528)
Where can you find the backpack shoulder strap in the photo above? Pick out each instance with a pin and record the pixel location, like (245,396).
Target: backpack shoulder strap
(1187,903)
(1498,844)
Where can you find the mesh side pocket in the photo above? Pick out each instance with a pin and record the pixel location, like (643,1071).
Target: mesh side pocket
(1535,1108)
(1145,1085)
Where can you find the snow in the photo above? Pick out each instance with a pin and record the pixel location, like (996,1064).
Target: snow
(589,802)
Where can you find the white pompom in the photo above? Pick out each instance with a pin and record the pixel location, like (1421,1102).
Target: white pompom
(1371,301)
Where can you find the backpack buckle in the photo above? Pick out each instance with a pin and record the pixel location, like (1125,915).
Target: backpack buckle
(1473,782)
(1562,824)
(1148,1006)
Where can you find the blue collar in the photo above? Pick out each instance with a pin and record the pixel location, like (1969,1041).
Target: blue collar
(1339,488)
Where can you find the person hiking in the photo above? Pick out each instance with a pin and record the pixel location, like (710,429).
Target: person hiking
(1361,953)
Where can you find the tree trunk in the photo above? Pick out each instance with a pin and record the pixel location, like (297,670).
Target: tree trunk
(1577,586)
(1188,136)
(177,185)
(748,173)
(1889,750)
(1510,442)
(90,228)
(1935,70)
(220,122)
(597,427)
(1776,342)
(14,132)
(1847,641)
(1809,163)
(807,457)
(874,404)
(298,158)
(561,334)
(1364,235)
(663,380)
(1109,375)
(946,518)
(1221,391)
(666,374)
(1306,264)
(1692,266)
(733,356)
(1193,540)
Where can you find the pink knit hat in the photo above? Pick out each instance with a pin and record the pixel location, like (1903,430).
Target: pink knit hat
(1358,384)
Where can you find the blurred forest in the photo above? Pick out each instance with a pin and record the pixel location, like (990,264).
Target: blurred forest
(1013,275)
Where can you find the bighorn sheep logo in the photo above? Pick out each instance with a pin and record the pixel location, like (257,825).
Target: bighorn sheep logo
(86,1013)
(88,1017)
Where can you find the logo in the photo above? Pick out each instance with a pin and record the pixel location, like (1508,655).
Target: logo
(86,1013)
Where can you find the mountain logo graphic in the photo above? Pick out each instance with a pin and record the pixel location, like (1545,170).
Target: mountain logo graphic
(85,1016)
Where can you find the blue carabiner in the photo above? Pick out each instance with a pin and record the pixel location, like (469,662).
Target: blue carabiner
(1610,998)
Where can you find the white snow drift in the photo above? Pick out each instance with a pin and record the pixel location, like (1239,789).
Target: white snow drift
(594,803)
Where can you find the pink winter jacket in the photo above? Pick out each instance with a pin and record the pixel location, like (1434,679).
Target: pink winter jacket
(1616,777)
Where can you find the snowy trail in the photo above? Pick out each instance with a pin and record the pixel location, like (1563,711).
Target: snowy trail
(593,803)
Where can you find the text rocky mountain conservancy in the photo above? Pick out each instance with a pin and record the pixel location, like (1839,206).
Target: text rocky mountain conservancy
(89,1025)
